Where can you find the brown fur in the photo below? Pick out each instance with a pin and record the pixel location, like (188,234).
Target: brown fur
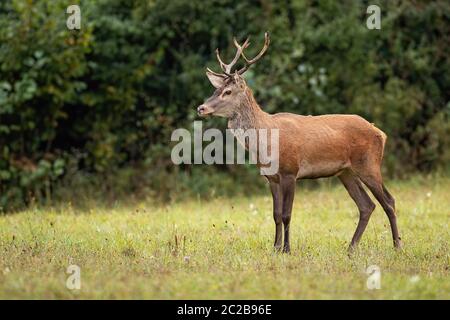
(316,146)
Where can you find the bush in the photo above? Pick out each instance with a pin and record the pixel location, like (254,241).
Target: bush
(102,101)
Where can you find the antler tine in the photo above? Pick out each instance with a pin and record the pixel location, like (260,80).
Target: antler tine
(223,65)
(244,45)
(226,68)
(258,56)
(216,73)
(238,52)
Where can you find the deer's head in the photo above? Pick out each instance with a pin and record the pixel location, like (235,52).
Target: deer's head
(230,85)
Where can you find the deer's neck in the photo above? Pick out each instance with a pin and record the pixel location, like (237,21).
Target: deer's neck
(248,114)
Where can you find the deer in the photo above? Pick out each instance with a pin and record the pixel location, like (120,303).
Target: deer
(310,147)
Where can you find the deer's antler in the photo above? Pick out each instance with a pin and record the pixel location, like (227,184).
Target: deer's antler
(248,62)
(226,68)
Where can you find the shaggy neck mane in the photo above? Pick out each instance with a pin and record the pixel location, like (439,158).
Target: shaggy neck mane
(249,114)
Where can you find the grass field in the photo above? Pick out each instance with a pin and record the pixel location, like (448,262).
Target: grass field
(222,249)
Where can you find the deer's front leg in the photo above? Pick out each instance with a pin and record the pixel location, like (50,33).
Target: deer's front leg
(277,197)
(288,191)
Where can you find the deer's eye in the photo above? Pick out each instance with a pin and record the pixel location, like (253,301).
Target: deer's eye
(227,92)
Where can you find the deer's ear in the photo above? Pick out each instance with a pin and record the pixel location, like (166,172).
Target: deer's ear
(216,81)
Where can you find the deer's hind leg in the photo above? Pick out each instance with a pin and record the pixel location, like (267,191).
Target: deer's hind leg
(389,198)
(374,182)
(365,205)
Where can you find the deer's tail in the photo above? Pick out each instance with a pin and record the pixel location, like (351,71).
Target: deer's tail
(381,138)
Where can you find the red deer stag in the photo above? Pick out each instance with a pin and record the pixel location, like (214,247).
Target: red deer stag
(346,146)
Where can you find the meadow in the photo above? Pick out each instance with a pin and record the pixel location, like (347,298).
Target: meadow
(222,248)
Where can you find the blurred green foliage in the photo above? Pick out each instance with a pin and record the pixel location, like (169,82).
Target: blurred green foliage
(97,106)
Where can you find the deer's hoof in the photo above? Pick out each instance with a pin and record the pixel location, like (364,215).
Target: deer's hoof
(398,244)
(351,250)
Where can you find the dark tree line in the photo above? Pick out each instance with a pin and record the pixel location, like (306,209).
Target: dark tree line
(97,106)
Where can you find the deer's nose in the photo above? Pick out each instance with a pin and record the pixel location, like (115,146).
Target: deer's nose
(201,109)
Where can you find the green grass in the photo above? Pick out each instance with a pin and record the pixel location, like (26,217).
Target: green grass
(222,249)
